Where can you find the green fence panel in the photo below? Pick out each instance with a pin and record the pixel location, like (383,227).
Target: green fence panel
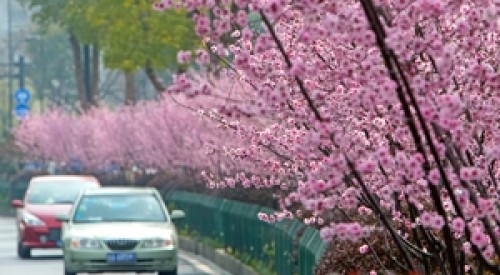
(289,246)
(311,249)
(286,243)
(242,228)
(197,206)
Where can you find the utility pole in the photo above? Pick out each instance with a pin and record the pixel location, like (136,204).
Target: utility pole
(10,56)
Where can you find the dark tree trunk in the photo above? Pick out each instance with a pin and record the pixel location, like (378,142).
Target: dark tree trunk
(130,91)
(153,78)
(95,75)
(80,83)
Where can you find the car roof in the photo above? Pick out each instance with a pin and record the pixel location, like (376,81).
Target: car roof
(53,178)
(119,190)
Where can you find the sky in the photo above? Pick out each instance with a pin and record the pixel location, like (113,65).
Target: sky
(20,20)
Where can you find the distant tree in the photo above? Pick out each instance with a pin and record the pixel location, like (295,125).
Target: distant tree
(50,66)
(128,34)
(135,41)
(47,12)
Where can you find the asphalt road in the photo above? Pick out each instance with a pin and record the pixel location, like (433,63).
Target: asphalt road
(49,262)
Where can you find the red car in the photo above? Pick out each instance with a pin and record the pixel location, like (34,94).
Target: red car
(46,197)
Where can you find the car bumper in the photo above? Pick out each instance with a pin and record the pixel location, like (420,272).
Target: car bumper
(40,237)
(95,261)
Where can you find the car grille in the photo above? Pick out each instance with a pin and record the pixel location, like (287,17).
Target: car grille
(121,244)
(54,235)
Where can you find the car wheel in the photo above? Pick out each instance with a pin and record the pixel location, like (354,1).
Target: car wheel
(66,272)
(22,251)
(170,272)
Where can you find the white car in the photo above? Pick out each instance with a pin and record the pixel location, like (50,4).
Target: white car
(120,229)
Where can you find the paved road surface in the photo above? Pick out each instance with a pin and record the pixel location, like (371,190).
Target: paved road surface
(49,262)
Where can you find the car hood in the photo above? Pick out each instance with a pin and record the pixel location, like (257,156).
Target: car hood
(48,210)
(121,230)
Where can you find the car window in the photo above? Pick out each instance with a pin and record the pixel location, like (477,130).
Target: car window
(119,208)
(56,192)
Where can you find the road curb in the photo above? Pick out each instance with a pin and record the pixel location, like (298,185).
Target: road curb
(217,256)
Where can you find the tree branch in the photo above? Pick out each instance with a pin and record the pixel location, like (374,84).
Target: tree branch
(299,81)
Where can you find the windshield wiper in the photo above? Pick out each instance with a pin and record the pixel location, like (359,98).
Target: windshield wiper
(87,221)
(64,202)
(132,220)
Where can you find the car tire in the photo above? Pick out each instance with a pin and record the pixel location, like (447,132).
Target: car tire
(23,252)
(169,272)
(66,272)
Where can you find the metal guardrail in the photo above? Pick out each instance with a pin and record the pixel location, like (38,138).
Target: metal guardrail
(288,247)
(4,199)
(7,195)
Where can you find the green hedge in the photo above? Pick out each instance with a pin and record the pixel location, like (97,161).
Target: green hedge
(287,247)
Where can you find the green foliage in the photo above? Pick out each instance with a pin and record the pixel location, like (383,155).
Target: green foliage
(270,250)
(255,264)
(47,11)
(9,157)
(187,232)
(129,32)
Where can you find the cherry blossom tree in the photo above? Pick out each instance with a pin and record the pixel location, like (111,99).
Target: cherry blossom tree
(160,134)
(377,122)
(382,117)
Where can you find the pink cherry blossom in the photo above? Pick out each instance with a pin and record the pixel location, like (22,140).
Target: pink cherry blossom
(479,239)
(364,249)
(338,107)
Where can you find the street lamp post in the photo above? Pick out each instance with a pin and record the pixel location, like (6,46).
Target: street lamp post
(11,61)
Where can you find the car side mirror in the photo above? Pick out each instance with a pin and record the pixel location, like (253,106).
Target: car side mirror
(177,214)
(62,217)
(17,203)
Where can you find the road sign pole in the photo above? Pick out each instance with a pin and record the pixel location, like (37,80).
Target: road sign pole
(21,72)
(22,96)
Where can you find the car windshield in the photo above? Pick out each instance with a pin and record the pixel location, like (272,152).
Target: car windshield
(119,208)
(57,192)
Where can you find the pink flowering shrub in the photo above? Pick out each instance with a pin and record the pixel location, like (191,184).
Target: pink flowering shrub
(161,135)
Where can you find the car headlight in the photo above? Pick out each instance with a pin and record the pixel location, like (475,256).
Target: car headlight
(84,243)
(32,220)
(157,243)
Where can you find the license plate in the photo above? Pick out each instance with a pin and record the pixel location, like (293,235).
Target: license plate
(119,258)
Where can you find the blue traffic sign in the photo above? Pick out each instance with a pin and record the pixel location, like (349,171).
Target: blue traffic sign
(22,96)
(22,110)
